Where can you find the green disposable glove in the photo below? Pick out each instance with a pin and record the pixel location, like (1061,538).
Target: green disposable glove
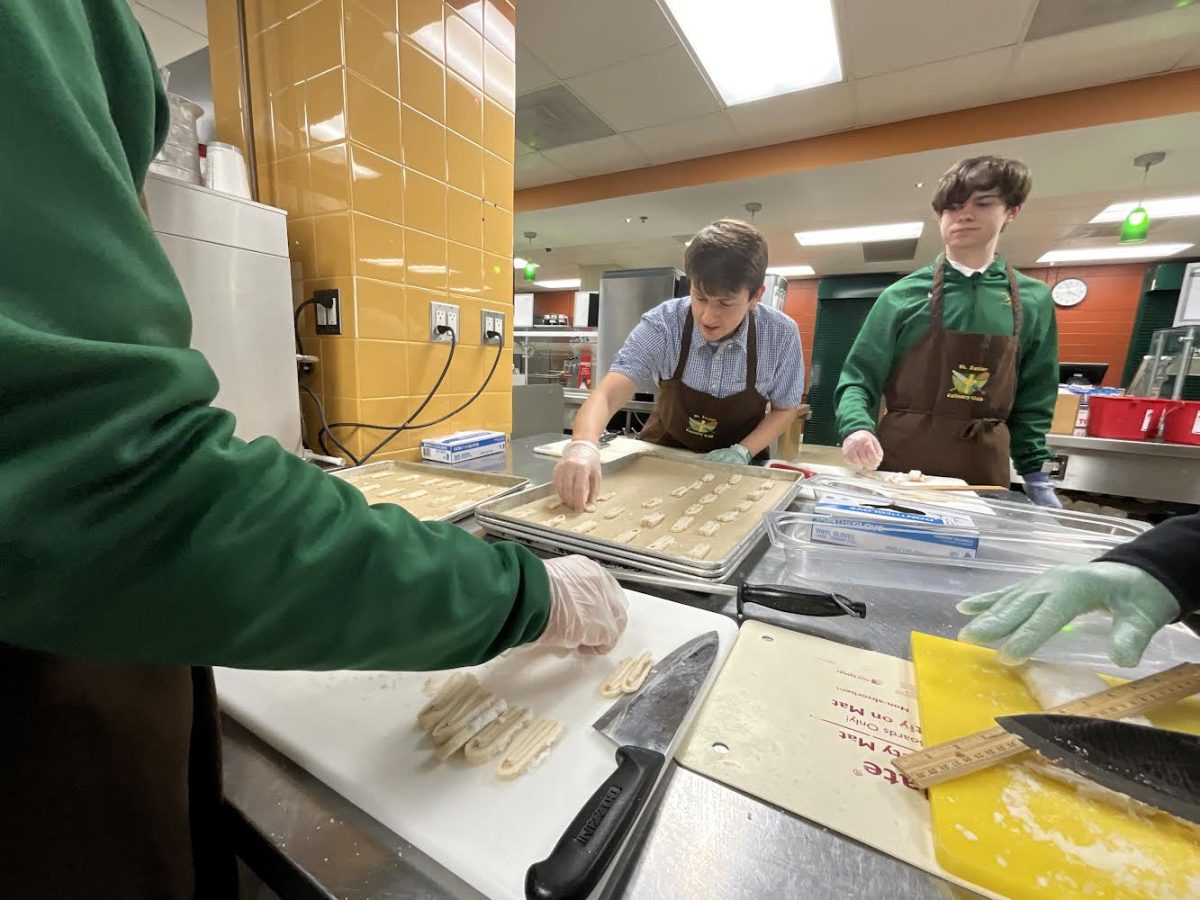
(737,455)
(1028,614)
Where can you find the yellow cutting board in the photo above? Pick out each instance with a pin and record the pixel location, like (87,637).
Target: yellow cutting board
(1024,834)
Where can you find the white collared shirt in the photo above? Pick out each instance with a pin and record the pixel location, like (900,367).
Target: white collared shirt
(967,270)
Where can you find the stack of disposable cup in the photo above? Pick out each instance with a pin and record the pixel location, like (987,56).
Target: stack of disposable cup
(226,170)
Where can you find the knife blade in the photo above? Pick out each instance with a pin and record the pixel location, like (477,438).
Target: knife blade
(782,598)
(642,725)
(1152,765)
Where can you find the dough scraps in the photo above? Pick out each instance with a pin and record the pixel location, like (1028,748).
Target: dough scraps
(652,519)
(628,535)
(614,512)
(661,543)
(708,498)
(496,735)
(709,528)
(652,502)
(683,523)
(707,477)
(694,510)
(413,495)
(628,677)
(606,496)
(700,551)
(727,517)
(584,527)
(529,748)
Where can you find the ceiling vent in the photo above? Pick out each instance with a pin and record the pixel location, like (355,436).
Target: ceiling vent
(1064,16)
(1104,230)
(554,117)
(889,251)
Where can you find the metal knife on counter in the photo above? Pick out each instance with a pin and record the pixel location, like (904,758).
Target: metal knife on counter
(1155,766)
(782,598)
(642,725)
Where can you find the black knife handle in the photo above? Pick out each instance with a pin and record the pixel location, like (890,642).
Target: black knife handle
(798,601)
(585,849)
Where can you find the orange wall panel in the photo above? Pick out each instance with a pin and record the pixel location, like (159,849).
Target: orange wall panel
(801,305)
(550,303)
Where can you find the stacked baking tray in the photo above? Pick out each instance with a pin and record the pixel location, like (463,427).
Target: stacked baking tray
(382,473)
(633,480)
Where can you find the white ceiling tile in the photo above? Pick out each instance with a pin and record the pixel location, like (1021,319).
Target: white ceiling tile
(531,73)
(661,87)
(1191,59)
(933,88)
(701,136)
(191,14)
(610,154)
(533,169)
(168,39)
(1103,55)
(577,36)
(522,149)
(883,35)
(802,114)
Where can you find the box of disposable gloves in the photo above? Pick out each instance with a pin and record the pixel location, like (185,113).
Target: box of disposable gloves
(462,445)
(894,526)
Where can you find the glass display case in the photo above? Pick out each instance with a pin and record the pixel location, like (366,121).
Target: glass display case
(1172,367)
(553,354)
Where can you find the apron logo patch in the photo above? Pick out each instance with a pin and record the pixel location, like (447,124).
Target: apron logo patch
(702,426)
(968,383)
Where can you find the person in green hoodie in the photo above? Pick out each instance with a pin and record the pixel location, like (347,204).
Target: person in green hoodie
(964,352)
(141,542)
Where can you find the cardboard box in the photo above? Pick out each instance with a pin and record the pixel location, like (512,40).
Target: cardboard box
(1066,412)
(462,446)
(894,526)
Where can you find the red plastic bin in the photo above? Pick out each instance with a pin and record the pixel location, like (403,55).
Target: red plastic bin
(1181,425)
(1126,418)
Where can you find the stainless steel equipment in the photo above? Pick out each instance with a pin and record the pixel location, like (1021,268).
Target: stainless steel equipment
(231,258)
(1173,358)
(537,408)
(643,726)
(624,297)
(775,295)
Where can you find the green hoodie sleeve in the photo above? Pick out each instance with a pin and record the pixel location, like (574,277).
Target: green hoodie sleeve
(865,372)
(1037,382)
(133,525)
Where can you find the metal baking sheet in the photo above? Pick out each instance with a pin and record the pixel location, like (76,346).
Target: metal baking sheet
(379,471)
(496,514)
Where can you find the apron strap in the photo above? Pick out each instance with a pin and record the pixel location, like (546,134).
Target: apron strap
(935,294)
(685,346)
(751,353)
(1014,293)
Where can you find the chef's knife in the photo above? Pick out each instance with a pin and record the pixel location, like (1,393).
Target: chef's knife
(642,725)
(1155,766)
(779,597)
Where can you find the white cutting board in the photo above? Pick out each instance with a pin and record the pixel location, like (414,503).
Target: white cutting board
(814,727)
(356,732)
(617,448)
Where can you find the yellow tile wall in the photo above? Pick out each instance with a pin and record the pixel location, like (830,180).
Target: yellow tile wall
(385,129)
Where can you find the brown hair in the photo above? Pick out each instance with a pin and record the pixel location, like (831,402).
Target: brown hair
(983,173)
(725,257)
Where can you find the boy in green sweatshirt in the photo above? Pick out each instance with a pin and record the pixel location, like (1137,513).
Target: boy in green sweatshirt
(963,352)
(139,538)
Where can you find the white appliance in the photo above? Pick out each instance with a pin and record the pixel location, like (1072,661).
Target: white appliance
(231,257)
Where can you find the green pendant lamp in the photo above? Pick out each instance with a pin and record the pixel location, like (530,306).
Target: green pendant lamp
(531,267)
(1136,227)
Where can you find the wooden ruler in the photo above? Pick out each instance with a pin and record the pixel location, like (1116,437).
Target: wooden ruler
(953,759)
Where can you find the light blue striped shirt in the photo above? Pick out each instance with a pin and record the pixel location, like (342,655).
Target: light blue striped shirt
(651,353)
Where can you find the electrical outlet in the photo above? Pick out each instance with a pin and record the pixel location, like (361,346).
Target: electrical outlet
(443,314)
(329,320)
(489,320)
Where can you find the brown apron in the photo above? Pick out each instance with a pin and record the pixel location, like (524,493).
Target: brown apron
(110,782)
(949,399)
(686,417)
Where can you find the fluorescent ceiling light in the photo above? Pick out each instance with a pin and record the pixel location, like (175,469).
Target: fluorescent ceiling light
(1127,251)
(791,270)
(753,49)
(519,263)
(560,284)
(1163,208)
(861,235)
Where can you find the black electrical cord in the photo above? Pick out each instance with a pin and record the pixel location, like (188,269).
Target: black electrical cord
(408,425)
(442,329)
(325,427)
(326,302)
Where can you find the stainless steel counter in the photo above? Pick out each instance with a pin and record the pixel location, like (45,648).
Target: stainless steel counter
(704,840)
(1149,470)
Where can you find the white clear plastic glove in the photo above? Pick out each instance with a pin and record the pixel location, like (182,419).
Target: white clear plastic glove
(1028,614)
(1040,490)
(587,606)
(862,450)
(577,475)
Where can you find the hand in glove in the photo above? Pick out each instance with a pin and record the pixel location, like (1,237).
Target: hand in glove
(577,474)
(862,450)
(737,455)
(587,606)
(1028,614)
(1039,489)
